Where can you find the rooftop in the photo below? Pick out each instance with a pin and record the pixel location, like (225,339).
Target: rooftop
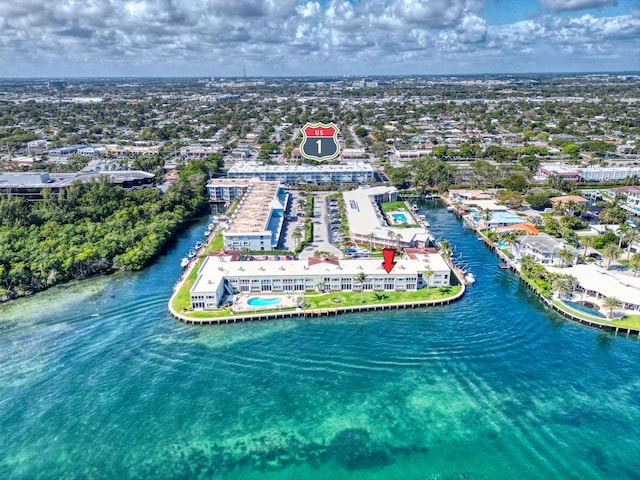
(243,167)
(608,283)
(255,207)
(58,180)
(215,268)
(364,215)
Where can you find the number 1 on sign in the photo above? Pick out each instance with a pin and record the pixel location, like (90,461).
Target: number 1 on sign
(319,143)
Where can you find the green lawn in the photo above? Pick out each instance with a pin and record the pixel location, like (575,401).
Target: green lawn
(216,244)
(347,299)
(315,300)
(182,299)
(393,206)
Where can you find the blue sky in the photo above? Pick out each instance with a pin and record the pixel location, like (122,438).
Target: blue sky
(41,38)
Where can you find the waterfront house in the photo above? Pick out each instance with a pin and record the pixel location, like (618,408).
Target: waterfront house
(596,281)
(544,249)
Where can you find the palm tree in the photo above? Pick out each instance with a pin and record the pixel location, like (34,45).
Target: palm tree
(371,236)
(398,238)
(445,249)
(611,252)
(635,262)
(360,278)
(297,234)
(622,231)
(611,303)
(391,234)
(587,243)
(564,284)
(566,256)
(428,274)
(631,237)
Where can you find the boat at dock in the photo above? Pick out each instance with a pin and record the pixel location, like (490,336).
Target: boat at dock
(503,265)
(184,262)
(469,278)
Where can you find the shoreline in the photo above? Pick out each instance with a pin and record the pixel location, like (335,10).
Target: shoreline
(547,301)
(317,312)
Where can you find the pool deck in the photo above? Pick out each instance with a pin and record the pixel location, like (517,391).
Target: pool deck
(241,302)
(406,214)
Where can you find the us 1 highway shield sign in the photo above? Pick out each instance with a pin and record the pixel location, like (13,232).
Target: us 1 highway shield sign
(320,141)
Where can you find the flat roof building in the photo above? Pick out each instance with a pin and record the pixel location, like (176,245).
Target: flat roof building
(31,184)
(220,276)
(257,222)
(355,172)
(367,224)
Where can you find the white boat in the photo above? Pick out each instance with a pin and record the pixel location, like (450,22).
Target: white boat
(451,208)
(184,262)
(469,278)
(414,207)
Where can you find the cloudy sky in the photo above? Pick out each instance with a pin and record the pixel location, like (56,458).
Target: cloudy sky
(40,38)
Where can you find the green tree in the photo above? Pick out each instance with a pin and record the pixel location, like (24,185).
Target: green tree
(515,182)
(612,253)
(428,274)
(571,149)
(297,235)
(630,237)
(360,278)
(611,304)
(634,261)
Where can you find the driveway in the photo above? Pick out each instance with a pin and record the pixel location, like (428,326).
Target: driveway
(320,228)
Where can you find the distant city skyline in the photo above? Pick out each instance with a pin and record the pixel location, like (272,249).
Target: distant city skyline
(226,38)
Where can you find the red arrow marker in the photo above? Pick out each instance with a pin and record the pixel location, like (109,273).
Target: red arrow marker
(388,254)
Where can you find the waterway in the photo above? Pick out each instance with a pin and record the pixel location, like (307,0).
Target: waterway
(97,381)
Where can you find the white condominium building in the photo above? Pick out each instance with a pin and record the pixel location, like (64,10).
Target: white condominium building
(367,225)
(257,222)
(355,172)
(220,276)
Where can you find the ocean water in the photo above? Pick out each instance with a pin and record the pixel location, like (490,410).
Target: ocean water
(97,381)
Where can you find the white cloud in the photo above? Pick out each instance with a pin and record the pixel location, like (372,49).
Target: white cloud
(220,37)
(569,5)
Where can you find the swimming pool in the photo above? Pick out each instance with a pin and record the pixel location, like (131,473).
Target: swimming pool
(584,309)
(262,302)
(399,217)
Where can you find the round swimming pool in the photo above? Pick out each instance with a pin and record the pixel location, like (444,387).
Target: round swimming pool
(262,302)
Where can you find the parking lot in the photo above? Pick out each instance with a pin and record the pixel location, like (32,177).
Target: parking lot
(321,225)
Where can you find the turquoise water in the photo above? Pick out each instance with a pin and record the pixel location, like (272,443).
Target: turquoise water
(262,302)
(581,308)
(97,381)
(399,217)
